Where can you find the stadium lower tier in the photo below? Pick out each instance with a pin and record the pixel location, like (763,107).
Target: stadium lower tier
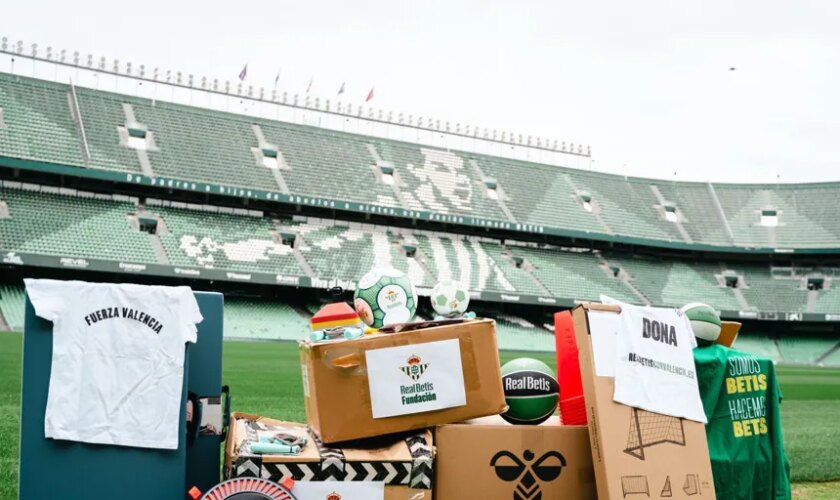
(79,228)
(249,318)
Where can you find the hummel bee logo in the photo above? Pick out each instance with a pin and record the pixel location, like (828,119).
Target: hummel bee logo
(510,468)
(414,368)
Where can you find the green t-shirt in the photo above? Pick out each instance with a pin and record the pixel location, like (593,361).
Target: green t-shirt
(741,399)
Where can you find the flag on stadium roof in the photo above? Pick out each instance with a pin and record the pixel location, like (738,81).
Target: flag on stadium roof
(341,90)
(243,73)
(276,78)
(309,87)
(370,95)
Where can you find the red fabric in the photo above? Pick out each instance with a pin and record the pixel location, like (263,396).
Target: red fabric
(572,405)
(370,95)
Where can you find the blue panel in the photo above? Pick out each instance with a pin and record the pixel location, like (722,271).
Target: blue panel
(205,380)
(52,468)
(64,469)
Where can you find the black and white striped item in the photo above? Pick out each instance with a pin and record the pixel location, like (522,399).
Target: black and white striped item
(333,466)
(421,462)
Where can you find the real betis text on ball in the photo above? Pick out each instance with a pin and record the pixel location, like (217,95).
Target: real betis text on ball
(531,391)
(385,297)
(705,322)
(450,298)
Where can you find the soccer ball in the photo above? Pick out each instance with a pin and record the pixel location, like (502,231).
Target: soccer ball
(450,298)
(705,322)
(385,297)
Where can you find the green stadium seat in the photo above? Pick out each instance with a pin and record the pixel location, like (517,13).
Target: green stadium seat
(799,349)
(67,225)
(12,300)
(261,319)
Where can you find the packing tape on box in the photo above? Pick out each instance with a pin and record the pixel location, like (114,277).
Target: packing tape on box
(349,356)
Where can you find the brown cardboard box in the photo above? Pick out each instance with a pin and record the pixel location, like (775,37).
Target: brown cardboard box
(728,333)
(637,453)
(545,461)
(404,463)
(338,395)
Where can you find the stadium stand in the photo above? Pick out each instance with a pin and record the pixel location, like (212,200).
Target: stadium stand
(764,292)
(829,300)
(69,223)
(259,319)
(102,115)
(758,344)
(574,274)
(337,250)
(38,123)
(799,349)
(11,305)
(209,146)
(833,359)
(518,334)
(223,240)
(509,277)
(675,283)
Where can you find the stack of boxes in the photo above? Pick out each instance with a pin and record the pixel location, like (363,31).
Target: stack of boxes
(397,416)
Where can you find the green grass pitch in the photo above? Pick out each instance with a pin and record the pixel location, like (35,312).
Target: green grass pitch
(265,379)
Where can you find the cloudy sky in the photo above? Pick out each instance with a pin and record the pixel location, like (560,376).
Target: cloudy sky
(647,84)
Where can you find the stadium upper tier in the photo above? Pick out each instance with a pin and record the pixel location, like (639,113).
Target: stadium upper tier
(95,132)
(81,229)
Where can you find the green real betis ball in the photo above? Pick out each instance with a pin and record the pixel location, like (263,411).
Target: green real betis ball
(705,322)
(385,297)
(531,391)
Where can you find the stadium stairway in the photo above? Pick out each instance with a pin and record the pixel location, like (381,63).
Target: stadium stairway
(828,358)
(11,306)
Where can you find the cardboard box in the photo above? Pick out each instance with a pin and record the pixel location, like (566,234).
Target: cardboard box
(728,333)
(357,388)
(490,459)
(636,453)
(404,463)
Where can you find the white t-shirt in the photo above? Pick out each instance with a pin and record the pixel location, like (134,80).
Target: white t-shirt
(118,360)
(654,363)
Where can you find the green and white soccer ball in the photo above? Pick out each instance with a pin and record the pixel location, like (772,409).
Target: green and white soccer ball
(450,298)
(385,297)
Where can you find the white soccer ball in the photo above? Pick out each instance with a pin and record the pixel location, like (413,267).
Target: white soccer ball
(450,298)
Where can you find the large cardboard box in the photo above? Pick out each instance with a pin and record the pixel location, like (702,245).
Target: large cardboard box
(403,463)
(636,453)
(488,458)
(386,383)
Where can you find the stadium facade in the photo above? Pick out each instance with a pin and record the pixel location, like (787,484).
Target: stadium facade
(99,185)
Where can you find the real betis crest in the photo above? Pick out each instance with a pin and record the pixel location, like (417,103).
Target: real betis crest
(415,368)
